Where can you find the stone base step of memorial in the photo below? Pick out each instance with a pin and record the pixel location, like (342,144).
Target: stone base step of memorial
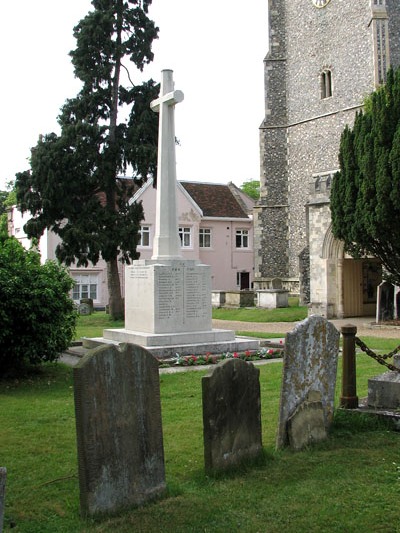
(148,340)
(389,414)
(238,344)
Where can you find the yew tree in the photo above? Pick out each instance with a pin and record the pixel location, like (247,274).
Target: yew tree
(73,186)
(365,197)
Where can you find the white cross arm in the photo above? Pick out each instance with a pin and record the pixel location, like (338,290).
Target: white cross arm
(172,98)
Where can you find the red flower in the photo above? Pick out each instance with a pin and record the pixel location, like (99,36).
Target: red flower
(235,354)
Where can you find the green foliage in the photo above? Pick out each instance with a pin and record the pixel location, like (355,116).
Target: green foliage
(365,198)
(3,197)
(7,199)
(251,188)
(72,187)
(3,215)
(36,313)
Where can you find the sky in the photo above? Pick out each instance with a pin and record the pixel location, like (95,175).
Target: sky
(215,48)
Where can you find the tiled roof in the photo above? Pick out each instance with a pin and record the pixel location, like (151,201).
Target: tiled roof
(214,200)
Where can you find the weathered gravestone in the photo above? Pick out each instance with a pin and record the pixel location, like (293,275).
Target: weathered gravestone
(384,390)
(386,298)
(89,302)
(119,429)
(231,415)
(84,309)
(308,384)
(3,476)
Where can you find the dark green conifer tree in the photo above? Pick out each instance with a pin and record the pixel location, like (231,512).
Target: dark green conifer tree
(365,197)
(72,187)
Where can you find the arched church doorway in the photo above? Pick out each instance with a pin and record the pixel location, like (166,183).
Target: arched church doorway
(352,284)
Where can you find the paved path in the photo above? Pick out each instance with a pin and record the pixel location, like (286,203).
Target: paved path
(365,327)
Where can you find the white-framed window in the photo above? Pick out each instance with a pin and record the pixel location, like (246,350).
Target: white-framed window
(205,238)
(242,238)
(144,236)
(185,235)
(86,286)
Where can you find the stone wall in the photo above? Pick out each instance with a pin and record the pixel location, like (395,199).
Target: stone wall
(271,213)
(393,8)
(300,134)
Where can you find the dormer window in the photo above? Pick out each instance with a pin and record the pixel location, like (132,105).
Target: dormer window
(326,84)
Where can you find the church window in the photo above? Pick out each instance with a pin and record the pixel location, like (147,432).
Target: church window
(322,183)
(205,238)
(242,238)
(144,236)
(328,182)
(326,83)
(185,235)
(86,286)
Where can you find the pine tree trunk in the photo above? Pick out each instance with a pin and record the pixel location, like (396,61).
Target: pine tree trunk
(116,304)
(114,286)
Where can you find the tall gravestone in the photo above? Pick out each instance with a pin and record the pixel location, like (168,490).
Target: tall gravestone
(168,298)
(308,383)
(231,415)
(119,429)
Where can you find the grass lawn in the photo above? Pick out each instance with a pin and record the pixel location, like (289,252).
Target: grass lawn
(348,484)
(293,313)
(93,325)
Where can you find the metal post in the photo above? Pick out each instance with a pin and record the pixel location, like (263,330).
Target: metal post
(349,399)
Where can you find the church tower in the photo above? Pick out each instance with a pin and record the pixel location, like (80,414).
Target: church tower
(325,57)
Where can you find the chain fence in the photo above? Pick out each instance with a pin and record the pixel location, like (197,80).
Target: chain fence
(381,359)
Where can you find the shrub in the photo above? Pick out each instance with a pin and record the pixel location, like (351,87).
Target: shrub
(37,315)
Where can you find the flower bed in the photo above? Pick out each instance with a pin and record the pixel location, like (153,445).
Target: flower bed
(211,359)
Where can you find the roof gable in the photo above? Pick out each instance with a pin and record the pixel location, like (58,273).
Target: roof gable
(215,200)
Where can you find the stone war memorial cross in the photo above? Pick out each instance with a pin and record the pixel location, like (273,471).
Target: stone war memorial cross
(168,298)
(166,240)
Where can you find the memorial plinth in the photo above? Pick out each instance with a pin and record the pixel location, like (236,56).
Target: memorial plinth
(168,310)
(173,296)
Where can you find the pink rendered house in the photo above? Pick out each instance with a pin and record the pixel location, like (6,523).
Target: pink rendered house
(215,226)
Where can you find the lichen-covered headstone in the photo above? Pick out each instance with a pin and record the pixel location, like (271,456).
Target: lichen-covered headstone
(307,424)
(84,309)
(309,368)
(3,476)
(231,415)
(119,429)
